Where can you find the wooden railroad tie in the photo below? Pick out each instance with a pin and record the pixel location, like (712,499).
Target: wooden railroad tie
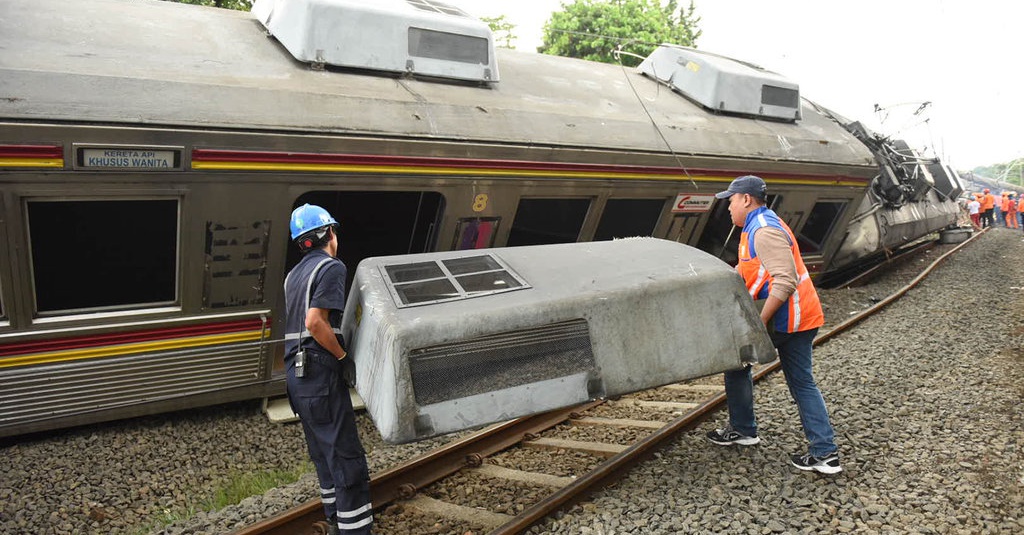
(600,449)
(471,515)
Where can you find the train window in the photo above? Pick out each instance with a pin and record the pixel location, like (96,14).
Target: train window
(720,237)
(438,281)
(819,225)
(475,233)
(545,221)
(89,255)
(623,218)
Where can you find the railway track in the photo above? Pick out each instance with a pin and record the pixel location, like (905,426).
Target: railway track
(601,440)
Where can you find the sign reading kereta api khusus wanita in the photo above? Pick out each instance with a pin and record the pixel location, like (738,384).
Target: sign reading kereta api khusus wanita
(133,158)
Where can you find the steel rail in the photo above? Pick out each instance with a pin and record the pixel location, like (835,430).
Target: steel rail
(901,256)
(404,480)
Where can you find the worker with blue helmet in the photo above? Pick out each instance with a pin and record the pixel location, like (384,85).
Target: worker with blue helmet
(311,222)
(317,368)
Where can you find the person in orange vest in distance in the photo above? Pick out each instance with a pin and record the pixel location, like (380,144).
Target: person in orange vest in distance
(1020,209)
(988,203)
(772,269)
(1010,209)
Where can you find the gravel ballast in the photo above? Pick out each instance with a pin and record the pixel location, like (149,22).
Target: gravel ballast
(924,398)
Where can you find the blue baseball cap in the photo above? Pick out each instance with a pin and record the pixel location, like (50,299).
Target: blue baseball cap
(749,184)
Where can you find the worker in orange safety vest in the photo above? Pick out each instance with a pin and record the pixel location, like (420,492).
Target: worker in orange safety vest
(1010,209)
(1020,208)
(988,204)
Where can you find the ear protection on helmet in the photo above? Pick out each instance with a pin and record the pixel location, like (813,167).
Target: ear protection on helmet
(315,239)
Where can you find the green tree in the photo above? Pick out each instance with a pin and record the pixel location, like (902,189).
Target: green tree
(594,29)
(502,30)
(240,5)
(1012,171)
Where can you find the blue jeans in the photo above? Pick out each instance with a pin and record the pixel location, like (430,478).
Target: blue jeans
(795,358)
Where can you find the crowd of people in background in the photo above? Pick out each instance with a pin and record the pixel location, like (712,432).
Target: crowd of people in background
(986,210)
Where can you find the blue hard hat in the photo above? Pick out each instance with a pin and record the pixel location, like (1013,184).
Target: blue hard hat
(309,217)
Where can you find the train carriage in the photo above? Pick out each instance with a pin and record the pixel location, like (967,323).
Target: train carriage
(150,153)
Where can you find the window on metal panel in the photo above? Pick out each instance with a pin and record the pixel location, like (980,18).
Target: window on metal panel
(545,221)
(438,281)
(623,218)
(819,226)
(103,254)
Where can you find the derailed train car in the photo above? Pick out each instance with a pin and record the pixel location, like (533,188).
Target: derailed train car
(148,167)
(911,197)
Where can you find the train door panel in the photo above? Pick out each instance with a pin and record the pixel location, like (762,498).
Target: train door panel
(793,219)
(478,213)
(684,228)
(5,267)
(475,233)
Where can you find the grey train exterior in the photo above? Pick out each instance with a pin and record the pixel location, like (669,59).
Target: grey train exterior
(151,152)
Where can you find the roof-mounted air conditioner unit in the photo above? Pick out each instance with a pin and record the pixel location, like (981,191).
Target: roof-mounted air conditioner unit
(420,37)
(722,84)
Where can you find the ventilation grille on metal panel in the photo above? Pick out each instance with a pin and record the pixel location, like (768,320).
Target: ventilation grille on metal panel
(501,361)
(437,7)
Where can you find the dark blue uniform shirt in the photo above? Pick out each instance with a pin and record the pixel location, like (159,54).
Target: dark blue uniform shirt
(328,291)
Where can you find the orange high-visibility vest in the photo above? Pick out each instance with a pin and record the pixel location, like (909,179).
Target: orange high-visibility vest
(988,202)
(802,311)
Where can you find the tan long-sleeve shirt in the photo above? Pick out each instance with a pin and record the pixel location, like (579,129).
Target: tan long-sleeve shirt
(773,249)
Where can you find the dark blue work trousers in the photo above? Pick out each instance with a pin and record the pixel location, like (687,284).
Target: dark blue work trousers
(321,400)
(795,358)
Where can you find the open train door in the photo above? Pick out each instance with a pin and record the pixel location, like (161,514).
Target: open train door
(373,223)
(377,223)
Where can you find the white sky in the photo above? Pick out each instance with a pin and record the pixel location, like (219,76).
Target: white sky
(964,56)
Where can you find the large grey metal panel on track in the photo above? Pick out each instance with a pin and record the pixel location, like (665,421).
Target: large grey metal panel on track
(162,63)
(597,319)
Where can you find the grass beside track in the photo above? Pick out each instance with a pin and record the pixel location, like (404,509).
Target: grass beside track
(237,486)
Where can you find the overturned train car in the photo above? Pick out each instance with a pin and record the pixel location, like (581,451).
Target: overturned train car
(147,172)
(910,198)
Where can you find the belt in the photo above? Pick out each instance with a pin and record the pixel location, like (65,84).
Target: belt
(307,334)
(319,356)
